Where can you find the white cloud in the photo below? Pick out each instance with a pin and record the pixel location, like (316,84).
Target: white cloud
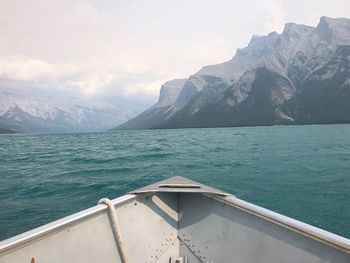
(128,48)
(92,83)
(35,70)
(150,88)
(276,16)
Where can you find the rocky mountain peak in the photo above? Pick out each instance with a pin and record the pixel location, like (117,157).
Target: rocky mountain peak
(259,45)
(169,92)
(296,31)
(38,114)
(334,29)
(300,76)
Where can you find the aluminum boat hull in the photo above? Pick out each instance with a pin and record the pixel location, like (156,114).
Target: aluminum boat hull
(176,220)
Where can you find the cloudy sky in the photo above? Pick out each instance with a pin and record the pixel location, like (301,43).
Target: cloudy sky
(126,49)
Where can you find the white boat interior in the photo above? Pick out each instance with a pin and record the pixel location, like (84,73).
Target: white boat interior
(175,220)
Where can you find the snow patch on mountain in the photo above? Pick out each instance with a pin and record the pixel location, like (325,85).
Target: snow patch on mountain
(40,114)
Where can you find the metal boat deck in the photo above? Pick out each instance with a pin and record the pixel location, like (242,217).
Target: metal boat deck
(176,220)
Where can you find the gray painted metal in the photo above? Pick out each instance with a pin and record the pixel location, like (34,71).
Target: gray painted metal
(216,231)
(178,184)
(182,222)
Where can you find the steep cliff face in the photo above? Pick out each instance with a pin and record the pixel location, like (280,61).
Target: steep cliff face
(170,91)
(255,99)
(299,76)
(325,97)
(162,110)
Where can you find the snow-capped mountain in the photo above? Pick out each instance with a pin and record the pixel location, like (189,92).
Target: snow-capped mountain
(300,76)
(33,114)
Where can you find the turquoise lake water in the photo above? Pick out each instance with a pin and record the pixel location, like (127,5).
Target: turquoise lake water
(299,171)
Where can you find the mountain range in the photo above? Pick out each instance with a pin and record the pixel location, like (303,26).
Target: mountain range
(299,76)
(20,113)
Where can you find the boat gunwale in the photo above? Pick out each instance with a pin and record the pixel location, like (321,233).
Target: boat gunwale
(315,233)
(36,234)
(309,231)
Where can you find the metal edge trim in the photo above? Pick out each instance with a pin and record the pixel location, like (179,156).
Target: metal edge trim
(180,190)
(57,226)
(315,233)
(178,181)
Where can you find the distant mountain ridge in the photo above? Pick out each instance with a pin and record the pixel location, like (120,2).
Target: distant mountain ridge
(3,130)
(32,114)
(301,76)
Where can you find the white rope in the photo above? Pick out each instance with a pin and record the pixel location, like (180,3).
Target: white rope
(116,228)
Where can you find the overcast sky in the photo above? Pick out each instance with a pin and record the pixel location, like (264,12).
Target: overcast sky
(127,49)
